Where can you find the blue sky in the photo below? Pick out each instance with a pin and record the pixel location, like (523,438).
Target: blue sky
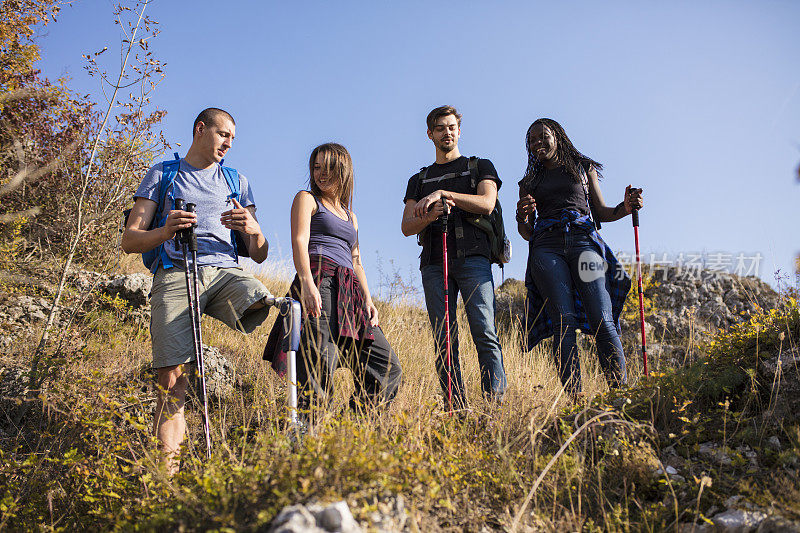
(696,102)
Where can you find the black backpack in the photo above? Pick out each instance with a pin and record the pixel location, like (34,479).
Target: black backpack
(492,224)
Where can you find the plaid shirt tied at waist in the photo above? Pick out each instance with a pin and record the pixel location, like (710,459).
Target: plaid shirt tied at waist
(353,318)
(538,325)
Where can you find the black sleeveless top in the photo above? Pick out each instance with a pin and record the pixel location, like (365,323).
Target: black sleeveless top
(556,191)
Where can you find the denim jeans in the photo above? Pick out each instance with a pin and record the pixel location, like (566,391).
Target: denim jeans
(473,277)
(560,263)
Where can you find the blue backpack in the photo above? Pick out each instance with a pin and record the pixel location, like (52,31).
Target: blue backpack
(170,169)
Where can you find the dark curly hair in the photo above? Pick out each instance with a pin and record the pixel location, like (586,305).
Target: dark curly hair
(566,153)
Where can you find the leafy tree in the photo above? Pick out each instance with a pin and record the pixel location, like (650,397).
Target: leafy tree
(68,166)
(41,129)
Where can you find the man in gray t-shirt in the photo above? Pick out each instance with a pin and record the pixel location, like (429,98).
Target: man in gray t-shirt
(208,190)
(226,291)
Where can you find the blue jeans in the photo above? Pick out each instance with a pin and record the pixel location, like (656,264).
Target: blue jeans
(473,277)
(560,263)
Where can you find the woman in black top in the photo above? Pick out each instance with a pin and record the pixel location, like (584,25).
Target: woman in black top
(572,278)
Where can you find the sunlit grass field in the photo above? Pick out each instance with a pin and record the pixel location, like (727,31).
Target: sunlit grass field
(86,458)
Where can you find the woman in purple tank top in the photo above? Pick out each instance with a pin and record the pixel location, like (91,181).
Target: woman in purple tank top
(341,324)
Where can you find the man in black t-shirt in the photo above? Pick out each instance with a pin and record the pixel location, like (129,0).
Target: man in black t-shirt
(449,181)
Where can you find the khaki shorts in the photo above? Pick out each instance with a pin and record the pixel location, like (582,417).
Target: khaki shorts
(225,294)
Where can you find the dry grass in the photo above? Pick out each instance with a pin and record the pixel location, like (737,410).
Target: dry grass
(532,377)
(535,463)
(533,382)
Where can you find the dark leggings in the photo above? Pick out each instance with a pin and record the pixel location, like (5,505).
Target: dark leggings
(375,366)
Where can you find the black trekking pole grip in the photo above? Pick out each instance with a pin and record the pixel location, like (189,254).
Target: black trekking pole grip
(635,217)
(190,234)
(446,211)
(180,205)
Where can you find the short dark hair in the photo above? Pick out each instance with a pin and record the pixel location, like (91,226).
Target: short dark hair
(211,116)
(440,112)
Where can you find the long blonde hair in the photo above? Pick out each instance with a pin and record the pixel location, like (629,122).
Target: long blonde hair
(337,162)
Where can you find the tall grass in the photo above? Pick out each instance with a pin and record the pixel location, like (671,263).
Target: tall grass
(537,462)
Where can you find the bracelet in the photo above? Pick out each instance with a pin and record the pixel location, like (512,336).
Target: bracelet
(619,206)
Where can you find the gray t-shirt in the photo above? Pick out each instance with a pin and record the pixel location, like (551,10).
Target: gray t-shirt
(209,191)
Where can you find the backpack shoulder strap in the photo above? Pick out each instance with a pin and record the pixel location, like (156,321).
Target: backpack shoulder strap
(585,184)
(422,235)
(423,172)
(169,170)
(472,166)
(232,177)
(234,184)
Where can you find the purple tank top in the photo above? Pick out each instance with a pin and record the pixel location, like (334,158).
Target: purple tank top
(331,236)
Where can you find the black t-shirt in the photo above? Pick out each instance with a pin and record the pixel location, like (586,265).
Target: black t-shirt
(555,192)
(453,176)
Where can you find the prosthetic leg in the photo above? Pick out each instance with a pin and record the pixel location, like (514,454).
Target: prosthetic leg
(291,313)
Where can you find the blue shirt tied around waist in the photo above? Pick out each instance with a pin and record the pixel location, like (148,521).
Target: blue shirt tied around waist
(618,283)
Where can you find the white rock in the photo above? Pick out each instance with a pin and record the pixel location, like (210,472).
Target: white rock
(335,517)
(670,471)
(295,519)
(735,521)
(717,455)
(316,518)
(134,288)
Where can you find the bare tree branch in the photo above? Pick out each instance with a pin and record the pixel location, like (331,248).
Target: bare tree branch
(37,377)
(5,218)
(26,176)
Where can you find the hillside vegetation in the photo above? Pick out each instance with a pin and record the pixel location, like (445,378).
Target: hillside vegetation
(85,459)
(716,428)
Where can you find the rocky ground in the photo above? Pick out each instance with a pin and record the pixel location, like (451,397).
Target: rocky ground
(687,307)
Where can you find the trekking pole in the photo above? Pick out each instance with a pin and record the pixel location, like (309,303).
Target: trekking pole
(635,217)
(188,241)
(291,312)
(448,363)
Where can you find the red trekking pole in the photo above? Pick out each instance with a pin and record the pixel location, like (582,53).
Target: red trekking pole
(447,310)
(635,217)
